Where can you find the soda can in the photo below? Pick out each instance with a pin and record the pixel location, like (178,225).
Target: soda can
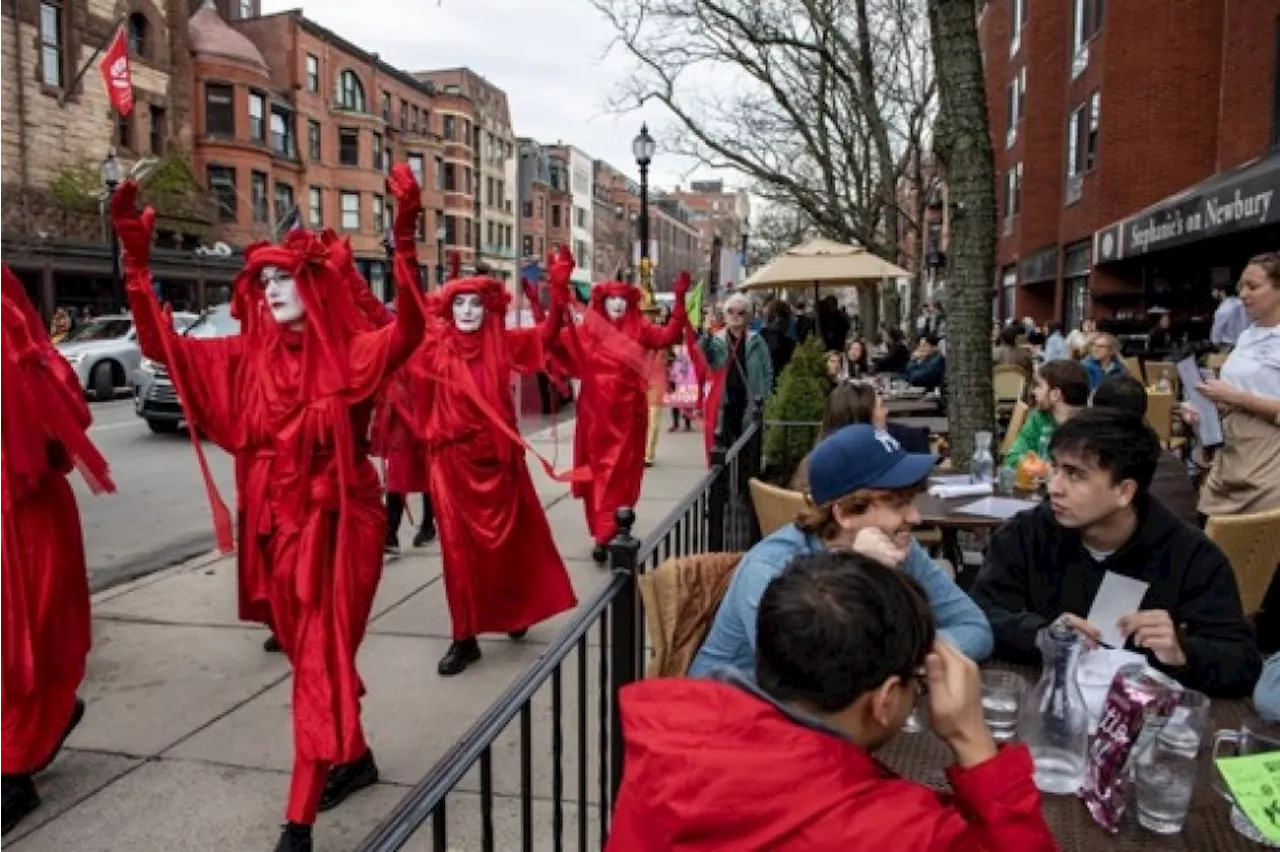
(1139,704)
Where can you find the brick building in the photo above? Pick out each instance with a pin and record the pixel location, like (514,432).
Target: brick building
(1122,132)
(546,202)
(614,224)
(925,228)
(716,212)
(675,240)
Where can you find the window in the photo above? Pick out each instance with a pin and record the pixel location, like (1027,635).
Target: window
(1016,104)
(1019,10)
(526,246)
(350,203)
(219,110)
(222,184)
(404,114)
(466,180)
(257,108)
(422,227)
(1082,136)
(489,234)
(447,131)
(315,202)
(386,160)
(386,107)
(414,115)
(158,130)
(450,177)
(282,133)
(379,221)
(1008,287)
(246,9)
(138,44)
(377,151)
(580,217)
(555,215)
(52,61)
(284,201)
(488,186)
(1013,192)
(439,172)
(313,140)
(313,73)
(416,166)
(526,209)
(350,91)
(258,193)
(348,146)
(451,230)
(1086,21)
(124,131)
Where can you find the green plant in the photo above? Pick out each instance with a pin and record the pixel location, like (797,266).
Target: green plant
(171,176)
(800,397)
(77,186)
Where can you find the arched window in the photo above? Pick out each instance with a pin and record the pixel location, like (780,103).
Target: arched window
(138,35)
(350,92)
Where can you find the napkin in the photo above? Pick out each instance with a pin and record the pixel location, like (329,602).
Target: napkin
(967,489)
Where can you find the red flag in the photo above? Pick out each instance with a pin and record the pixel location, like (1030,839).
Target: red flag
(117,75)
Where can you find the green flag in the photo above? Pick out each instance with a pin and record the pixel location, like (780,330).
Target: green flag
(693,304)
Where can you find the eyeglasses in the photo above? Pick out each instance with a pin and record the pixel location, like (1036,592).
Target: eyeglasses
(920,677)
(734,312)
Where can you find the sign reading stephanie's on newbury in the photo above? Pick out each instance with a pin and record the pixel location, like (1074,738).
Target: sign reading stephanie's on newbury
(1244,198)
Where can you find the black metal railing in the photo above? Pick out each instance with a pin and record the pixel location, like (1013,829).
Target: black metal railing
(715,516)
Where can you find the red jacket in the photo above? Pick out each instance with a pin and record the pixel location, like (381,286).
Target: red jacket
(712,766)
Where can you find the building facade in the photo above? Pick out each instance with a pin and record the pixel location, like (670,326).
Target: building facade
(492,162)
(581,209)
(925,229)
(1115,164)
(722,217)
(675,242)
(615,223)
(545,202)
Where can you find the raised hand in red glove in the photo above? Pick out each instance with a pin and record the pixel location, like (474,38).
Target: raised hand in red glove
(132,227)
(559,273)
(403,187)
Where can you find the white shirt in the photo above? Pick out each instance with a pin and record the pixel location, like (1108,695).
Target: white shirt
(1254,364)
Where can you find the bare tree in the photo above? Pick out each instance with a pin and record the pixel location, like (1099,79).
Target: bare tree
(963,143)
(819,102)
(774,230)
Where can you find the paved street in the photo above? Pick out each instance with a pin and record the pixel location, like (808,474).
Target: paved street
(186,742)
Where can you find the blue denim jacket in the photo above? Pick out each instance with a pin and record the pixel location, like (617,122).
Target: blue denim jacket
(732,640)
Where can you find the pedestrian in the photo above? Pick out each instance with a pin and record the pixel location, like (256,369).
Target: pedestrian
(46,590)
(291,397)
(610,352)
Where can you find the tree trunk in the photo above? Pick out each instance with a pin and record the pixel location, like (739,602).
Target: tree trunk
(964,145)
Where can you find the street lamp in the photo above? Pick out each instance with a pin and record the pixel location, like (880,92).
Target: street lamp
(643,147)
(440,234)
(112,173)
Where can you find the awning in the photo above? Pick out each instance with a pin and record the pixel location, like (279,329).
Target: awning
(1238,200)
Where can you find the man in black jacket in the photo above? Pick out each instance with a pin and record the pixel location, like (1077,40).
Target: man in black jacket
(1050,561)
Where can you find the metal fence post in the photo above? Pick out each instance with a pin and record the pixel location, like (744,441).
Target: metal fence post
(624,552)
(716,501)
(753,465)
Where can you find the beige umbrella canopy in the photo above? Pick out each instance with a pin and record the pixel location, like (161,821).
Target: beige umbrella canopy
(822,263)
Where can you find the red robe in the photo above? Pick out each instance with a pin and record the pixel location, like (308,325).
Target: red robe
(618,374)
(502,571)
(45,606)
(294,407)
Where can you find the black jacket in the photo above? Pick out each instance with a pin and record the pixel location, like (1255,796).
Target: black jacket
(1036,570)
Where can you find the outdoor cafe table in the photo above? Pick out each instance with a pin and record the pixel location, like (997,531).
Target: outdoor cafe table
(925,405)
(935,425)
(923,757)
(942,515)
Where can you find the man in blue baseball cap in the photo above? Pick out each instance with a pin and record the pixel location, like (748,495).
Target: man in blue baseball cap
(862,487)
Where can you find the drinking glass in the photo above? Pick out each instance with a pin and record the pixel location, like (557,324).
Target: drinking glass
(1187,726)
(1255,736)
(1001,703)
(1165,782)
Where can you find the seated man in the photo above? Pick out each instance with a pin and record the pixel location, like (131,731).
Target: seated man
(862,486)
(847,646)
(1050,562)
(1061,387)
(928,366)
(1171,484)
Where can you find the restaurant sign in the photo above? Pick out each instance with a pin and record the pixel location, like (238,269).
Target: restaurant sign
(1238,200)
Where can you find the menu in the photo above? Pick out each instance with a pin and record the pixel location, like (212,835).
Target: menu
(1209,429)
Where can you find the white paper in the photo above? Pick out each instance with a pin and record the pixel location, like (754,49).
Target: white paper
(1117,596)
(951,479)
(996,507)
(965,489)
(1097,669)
(1209,430)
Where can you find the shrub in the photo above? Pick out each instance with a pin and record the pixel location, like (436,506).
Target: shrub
(801,396)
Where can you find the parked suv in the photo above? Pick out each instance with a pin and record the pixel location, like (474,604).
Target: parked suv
(104,352)
(154,397)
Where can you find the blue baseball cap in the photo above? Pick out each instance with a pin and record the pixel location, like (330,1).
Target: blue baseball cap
(862,456)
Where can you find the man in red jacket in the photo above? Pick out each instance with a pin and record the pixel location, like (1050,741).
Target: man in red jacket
(845,648)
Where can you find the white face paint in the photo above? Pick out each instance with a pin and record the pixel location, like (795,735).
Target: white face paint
(468,312)
(615,307)
(283,299)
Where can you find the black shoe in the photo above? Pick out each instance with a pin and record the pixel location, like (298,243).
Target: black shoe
(20,799)
(345,779)
(460,655)
(425,536)
(392,547)
(294,837)
(517,635)
(77,713)
(600,554)
(272,645)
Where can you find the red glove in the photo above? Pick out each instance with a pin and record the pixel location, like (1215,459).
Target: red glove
(560,272)
(530,291)
(403,187)
(682,287)
(133,228)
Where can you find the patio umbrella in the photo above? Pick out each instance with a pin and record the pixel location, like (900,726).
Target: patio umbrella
(822,263)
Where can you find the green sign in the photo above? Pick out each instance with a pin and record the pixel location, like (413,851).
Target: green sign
(1254,782)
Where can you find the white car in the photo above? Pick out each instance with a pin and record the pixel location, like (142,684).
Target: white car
(104,352)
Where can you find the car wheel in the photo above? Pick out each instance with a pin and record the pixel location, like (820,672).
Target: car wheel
(103,382)
(163,427)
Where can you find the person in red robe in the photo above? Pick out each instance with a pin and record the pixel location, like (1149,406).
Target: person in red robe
(502,571)
(291,397)
(45,581)
(610,352)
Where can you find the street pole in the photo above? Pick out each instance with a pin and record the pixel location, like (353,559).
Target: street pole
(643,147)
(111,174)
(440,233)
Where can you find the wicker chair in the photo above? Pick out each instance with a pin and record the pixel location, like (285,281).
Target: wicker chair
(1016,421)
(775,507)
(1133,366)
(1160,415)
(1157,370)
(1010,384)
(1252,544)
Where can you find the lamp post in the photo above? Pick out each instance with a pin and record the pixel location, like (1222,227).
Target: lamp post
(440,233)
(112,173)
(643,147)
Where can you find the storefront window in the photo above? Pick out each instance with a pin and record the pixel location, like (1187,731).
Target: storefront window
(1008,286)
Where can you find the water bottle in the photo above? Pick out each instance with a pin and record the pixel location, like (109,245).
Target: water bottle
(982,467)
(1163,385)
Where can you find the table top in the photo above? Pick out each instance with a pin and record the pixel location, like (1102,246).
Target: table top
(923,757)
(935,425)
(918,405)
(937,512)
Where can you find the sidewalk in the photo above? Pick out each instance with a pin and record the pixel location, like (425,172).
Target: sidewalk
(186,743)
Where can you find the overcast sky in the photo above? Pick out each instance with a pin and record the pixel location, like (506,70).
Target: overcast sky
(548,55)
